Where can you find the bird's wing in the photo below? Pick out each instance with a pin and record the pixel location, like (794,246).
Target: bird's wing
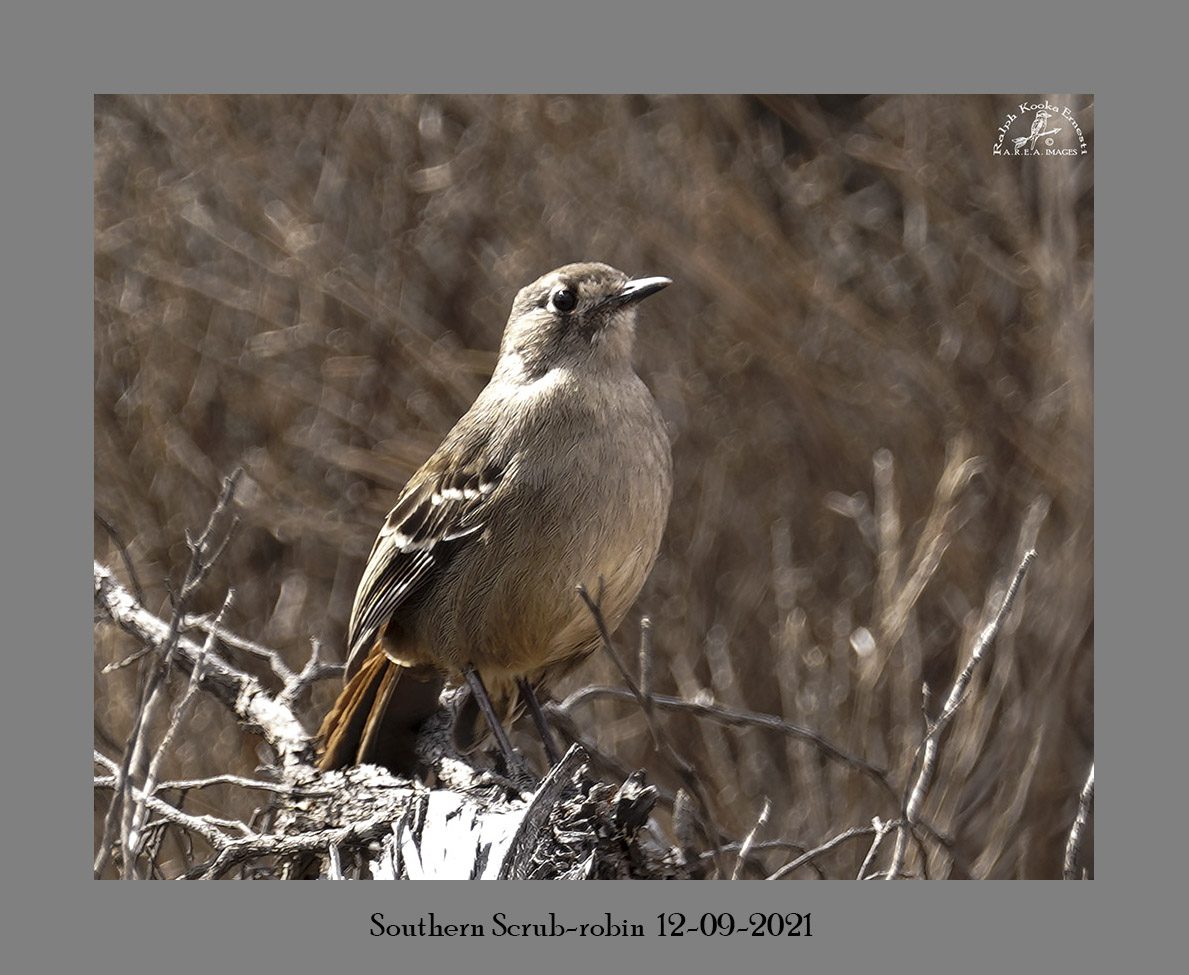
(442,506)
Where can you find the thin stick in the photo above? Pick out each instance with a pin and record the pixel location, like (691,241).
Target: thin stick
(745,849)
(241,693)
(826,847)
(660,740)
(120,812)
(645,657)
(214,627)
(1074,845)
(956,696)
(185,785)
(738,718)
(882,831)
(177,714)
(133,578)
(609,649)
(315,669)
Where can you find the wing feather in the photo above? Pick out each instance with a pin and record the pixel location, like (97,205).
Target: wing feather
(442,507)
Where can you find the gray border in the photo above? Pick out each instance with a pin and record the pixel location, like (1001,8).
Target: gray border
(51,62)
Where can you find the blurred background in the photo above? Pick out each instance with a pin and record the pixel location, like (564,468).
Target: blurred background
(875,363)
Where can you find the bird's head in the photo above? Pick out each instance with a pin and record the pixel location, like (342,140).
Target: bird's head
(580,315)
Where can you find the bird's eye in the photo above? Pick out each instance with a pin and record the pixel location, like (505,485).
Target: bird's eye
(563,299)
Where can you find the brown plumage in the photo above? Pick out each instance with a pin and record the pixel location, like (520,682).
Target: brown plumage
(558,475)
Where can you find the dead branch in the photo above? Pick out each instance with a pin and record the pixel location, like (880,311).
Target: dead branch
(363,821)
(732,717)
(203,552)
(1074,844)
(956,696)
(750,839)
(661,740)
(242,693)
(817,851)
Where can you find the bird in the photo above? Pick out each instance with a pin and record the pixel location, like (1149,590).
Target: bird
(559,476)
(1038,129)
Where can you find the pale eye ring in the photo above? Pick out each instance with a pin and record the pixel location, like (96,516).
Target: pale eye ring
(563,300)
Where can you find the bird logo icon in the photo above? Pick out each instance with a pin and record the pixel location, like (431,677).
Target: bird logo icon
(1038,131)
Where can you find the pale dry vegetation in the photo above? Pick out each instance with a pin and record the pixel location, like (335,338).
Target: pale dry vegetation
(875,361)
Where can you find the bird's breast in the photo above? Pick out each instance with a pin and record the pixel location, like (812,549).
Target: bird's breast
(587,506)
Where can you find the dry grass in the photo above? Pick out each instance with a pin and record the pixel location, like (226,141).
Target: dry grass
(876,363)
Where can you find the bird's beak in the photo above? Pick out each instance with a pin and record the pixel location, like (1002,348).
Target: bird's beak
(638,289)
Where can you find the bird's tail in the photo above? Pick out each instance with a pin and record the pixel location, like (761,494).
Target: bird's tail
(377,715)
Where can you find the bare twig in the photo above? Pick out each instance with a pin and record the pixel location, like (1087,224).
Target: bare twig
(209,828)
(242,693)
(748,840)
(887,519)
(738,718)
(1074,844)
(124,662)
(609,764)
(281,788)
(609,648)
(685,770)
(957,695)
(882,830)
(177,714)
(646,658)
(213,627)
(933,540)
(203,553)
(100,759)
(316,669)
(129,567)
(237,851)
(291,838)
(826,847)
(761,845)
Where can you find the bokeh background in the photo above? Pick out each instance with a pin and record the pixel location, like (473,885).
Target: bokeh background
(875,363)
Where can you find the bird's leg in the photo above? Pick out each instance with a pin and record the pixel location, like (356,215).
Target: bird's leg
(534,706)
(497,729)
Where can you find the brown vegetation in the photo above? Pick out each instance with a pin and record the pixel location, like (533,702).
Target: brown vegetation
(876,364)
